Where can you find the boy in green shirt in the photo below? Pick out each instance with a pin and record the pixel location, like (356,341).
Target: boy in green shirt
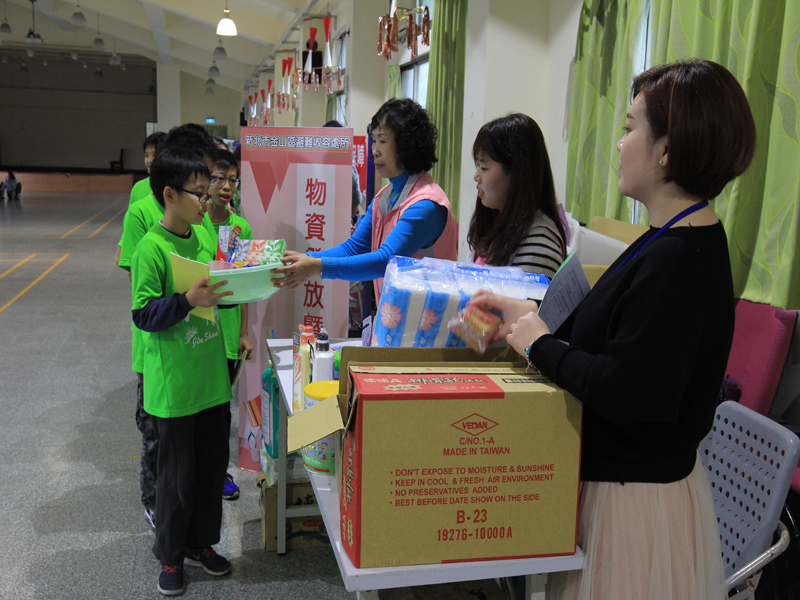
(185,373)
(224,179)
(141,189)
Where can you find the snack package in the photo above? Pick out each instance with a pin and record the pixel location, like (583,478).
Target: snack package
(231,250)
(273,250)
(254,253)
(242,249)
(222,242)
(476,325)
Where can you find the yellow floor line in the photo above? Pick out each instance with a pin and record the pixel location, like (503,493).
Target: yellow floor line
(16,265)
(107,222)
(35,281)
(92,217)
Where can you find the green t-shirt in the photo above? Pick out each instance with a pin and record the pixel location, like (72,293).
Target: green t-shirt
(236,201)
(139,191)
(185,370)
(231,318)
(140,218)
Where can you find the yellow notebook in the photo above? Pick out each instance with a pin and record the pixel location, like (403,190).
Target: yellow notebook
(184,273)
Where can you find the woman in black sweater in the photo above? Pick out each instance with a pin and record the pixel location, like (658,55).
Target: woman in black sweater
(646,351)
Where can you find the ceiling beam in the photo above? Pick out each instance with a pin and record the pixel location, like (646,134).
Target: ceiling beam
(158,25)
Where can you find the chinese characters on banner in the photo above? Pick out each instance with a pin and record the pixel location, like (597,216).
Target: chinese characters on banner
(296,186)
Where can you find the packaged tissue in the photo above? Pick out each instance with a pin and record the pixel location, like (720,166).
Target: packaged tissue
(420,297)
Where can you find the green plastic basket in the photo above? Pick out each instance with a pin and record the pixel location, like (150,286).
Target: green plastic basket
(248,284)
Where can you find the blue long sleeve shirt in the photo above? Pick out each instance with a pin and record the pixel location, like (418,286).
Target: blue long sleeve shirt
(419,227)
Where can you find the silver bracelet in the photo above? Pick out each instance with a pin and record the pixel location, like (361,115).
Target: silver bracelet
(531,367)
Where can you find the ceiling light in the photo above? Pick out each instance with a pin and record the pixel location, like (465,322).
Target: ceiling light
(5,27)
(4,60)
(84,65)
(219,52)
(115,60)
(122,66)
(213,71)
(30,52)
(78,20)
(98,73)
(44,62)
(210,83)
(209,91)
(74,55)
(23,67)
(226,26)
(32,37)
(98,43)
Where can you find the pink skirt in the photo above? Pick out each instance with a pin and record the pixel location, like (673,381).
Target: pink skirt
(646,541)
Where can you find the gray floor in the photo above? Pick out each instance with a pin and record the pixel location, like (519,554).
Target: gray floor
(71,520)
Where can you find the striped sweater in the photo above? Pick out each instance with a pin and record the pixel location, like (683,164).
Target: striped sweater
(542,251)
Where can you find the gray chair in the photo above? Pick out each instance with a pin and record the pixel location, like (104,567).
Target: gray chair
(750,461)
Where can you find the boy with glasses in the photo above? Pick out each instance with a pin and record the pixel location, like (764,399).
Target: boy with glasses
(185,372)
(140,218)
(223,182)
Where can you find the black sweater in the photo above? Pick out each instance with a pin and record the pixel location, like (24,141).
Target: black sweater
(646,354)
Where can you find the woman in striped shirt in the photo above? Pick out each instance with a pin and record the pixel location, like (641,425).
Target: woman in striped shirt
(516,219)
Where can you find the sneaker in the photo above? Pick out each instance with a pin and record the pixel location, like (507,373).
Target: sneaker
(211,562)
(150,515)
(230,491)
(170,582)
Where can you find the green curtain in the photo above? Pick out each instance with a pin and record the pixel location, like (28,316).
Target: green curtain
(445,100)
(395,85)
(604,64)
(330,107)
(759,42)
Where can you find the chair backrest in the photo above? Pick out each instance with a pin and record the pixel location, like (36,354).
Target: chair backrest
(750,461)
(761,341)
(789,385)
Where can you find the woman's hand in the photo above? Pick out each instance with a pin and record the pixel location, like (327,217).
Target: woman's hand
(525,330)
(298,267)
(511,309)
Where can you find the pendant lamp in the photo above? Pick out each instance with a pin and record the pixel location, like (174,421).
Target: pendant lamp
(98,43)
(213,71)
(219,52)
(77,19)
(5,27)
(226,26)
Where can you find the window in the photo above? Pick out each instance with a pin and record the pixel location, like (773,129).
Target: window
(414,79)
(340,60)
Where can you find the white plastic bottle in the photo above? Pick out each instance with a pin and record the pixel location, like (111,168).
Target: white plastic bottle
(323,358)
(302,367)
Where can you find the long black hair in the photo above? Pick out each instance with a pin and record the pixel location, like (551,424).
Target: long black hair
(516,142)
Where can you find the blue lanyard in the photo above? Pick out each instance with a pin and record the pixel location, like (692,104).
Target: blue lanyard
(644,243)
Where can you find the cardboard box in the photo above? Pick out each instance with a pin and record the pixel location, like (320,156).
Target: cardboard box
(619,230)
(432,458)
(594,272)
(301,532)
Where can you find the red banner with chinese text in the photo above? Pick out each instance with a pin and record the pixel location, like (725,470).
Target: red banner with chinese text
(296,186)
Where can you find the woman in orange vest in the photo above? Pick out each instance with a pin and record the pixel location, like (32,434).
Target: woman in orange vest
(409,217)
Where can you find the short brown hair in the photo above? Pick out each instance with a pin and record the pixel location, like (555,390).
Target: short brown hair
(704,113)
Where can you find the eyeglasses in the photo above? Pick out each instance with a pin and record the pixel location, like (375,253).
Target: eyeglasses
(203,198)
(215,179)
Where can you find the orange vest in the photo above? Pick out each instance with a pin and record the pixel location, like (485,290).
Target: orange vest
(418,187)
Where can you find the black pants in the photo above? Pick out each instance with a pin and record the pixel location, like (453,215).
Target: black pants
(231,373)
(149,460)
(192,459)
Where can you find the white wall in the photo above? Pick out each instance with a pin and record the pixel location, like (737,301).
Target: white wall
(223,106)
(61,116)
(517,60)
